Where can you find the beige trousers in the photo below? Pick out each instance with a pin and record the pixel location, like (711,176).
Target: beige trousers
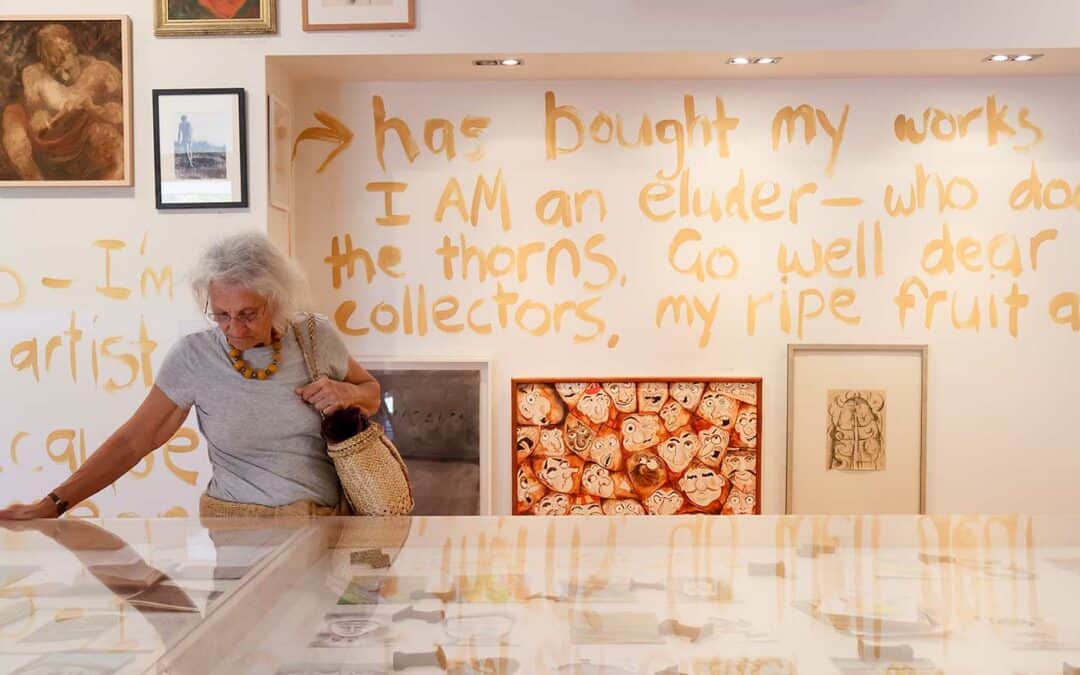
(210,507)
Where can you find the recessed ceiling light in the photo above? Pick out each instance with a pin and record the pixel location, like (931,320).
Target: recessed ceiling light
(767,60)
(738,61)
(999,58)
(499,62)
(1024,57)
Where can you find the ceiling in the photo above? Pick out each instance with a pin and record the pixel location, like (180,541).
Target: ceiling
(670,66)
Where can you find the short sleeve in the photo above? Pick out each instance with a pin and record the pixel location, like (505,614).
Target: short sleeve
(333,354)
(176,377)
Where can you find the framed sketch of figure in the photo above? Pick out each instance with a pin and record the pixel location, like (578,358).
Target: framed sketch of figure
(856,434)
(200,148)
(65,102)
(214,17)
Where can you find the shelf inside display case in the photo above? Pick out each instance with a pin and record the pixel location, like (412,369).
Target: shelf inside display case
(543,595)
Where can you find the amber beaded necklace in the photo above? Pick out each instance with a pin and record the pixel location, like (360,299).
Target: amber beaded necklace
(245,369)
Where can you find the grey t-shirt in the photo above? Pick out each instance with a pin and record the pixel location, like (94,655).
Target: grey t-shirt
(264,441)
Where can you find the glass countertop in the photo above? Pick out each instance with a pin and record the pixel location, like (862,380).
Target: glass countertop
(636,595)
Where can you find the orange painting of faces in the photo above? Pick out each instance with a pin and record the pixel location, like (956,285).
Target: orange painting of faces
(626,447)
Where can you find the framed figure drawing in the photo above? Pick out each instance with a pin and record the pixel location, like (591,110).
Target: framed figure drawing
(856,434)
(200,148)
(65,102)
(359,14)
(437,414)
(214,17)
(636,446)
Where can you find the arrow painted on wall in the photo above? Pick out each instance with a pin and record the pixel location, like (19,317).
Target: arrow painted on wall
(331,131)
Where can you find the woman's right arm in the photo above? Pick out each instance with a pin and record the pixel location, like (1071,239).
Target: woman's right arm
(154,423)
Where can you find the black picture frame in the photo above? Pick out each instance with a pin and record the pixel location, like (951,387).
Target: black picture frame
(214,169)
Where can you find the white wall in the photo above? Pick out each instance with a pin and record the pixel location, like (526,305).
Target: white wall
(993,396)
(51,232)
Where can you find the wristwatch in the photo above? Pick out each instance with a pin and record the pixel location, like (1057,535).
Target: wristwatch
(61,505)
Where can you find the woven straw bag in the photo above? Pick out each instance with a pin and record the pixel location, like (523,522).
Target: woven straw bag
(373,476)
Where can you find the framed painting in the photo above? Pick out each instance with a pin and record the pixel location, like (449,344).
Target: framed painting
(856,429)
(279,131)
(359,14)
(214,17)
(65,102)
(437,412)
(200,148)
(658,446)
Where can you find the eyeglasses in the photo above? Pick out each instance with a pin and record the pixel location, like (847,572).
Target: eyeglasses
(222,319)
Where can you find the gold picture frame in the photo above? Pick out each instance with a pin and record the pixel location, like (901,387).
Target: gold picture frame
(52,161)
(892,380)
(399,14)
(225,22)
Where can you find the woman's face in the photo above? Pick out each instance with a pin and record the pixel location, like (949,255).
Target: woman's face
(250,319)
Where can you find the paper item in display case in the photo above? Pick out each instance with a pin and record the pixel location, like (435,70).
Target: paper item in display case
(15,609)
(10,574)
(82,663)
(590,627)
(348,630)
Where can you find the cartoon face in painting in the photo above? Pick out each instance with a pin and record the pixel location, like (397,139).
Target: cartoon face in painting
(529,490)
(538,404)
(739,460)
(597,481)
(640,431)
(646,472)
(557,473)
(623,395)
(623,507)
(551,443)
(586,509)
(743,481)
(623,488)
(595,404)
(739,503)
(740,391)
(570,391)
(527,440)
(554,504)
(718,409)
(651,396)
(579,436)
(674,415)
(664,502)
(746,426)
(605,450)
(687,393)
(679,449)
(702,484)
(714,443)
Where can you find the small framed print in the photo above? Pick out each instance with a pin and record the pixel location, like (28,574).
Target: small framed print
(200,148)
(856,429)
(359,14)
(279,129)
(214,17)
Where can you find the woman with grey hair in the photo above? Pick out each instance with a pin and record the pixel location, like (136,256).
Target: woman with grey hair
(253,398)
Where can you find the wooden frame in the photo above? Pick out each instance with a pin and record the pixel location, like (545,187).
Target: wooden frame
(478,364)
(673,474)
(240,139)
(165,27)
(793,353)
(126,69)
(409,22)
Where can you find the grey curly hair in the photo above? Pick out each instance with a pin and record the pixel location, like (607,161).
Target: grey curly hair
(250,260)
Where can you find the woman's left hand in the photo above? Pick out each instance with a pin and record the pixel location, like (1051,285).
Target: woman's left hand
(326,395)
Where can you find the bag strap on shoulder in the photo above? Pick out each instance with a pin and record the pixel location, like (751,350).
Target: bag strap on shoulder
(310,358)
